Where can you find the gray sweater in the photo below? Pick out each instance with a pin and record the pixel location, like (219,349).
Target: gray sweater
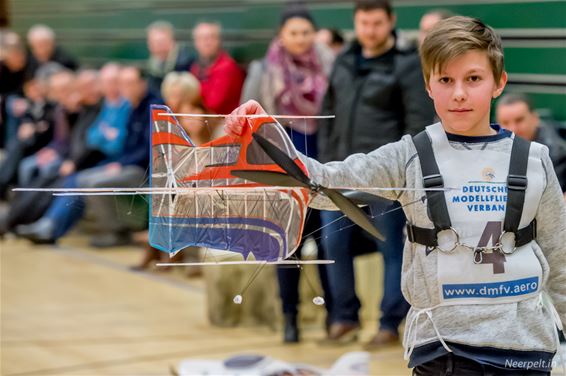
(525,326)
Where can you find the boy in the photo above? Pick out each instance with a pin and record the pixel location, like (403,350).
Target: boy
(478,258)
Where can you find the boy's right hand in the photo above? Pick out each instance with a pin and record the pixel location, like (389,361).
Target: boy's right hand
(236,121)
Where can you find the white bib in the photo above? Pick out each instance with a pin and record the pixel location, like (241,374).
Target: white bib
(477,212)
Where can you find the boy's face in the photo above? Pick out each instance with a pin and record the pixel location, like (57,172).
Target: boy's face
(462,93)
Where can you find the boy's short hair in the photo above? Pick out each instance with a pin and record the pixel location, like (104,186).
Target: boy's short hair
(367,5)
(455,36)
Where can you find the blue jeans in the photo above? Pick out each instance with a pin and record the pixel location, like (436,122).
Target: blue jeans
(341,241)
(65,211)
(29,170)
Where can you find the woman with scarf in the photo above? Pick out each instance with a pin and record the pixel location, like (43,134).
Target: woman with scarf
(292,80)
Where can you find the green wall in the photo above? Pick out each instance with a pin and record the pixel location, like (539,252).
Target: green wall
(533,32)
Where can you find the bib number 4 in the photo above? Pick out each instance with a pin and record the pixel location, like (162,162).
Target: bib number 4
(491,234)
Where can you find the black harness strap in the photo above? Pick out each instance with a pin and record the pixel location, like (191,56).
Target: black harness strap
(516,184)
(436,203)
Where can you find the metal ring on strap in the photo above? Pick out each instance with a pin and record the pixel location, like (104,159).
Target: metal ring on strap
(507,246)
(456,242)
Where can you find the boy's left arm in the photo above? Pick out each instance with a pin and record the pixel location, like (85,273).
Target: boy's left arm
(551,236)
(383,167)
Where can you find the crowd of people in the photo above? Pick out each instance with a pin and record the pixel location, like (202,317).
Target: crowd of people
(64,125)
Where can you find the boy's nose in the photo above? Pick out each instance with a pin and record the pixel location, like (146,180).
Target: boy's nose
(459,93)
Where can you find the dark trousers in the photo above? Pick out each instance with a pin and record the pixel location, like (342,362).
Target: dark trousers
(341,241)
(453,365)
(288,275)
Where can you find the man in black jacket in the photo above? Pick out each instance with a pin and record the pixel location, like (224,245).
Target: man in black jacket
(377,94)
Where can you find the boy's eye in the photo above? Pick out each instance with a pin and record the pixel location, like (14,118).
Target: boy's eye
(444,80)
(474,78)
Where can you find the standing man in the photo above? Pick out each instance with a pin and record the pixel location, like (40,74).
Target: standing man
(377,93)
(220,77)
(165,54)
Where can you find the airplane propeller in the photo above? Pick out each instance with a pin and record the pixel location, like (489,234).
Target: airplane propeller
(295,177)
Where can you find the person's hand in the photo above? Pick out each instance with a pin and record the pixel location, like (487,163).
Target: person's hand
(19,107)
(235,122)
(67,168)
(25,131)
(110,133)
(46,156)
(113,168)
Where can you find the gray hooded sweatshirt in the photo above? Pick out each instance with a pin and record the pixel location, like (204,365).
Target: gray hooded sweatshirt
(505,335)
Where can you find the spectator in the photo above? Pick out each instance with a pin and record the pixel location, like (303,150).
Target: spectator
(166,55)
(220,77)
(128,170)
(13,62)
(181,93)
(429,19)
(13,65)
(46,162)
(27,207)
(37,125)
(516,113)
(291,80)
(180,88)
(377,93)
(332,38)
(41,40)
(105,137)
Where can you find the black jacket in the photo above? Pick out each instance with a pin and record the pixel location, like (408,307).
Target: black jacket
(376,101)
(547,135)
(59,56)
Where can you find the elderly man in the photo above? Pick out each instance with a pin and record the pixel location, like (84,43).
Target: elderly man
(220,77)
(41,40)
(165,54)
(515,112)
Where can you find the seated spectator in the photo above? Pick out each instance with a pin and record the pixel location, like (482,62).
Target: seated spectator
(129,169)
(220,77)
(13,64)
(36,128)
(44,49)
(516,113)
(46,161)
(105,138)
(166,55)
(27,207)
(181,93)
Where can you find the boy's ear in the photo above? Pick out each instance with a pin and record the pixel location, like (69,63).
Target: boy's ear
(427,88)
(501,85)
